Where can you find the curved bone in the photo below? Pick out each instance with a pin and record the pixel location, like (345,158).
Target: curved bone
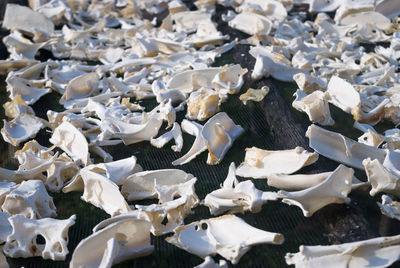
(5,227)
(219,133)
(389,207)
(21,128)
(376,252)
(221,235)
(5,188)
(332,190)
(81,87)
(256,95)
(141,185)
(198,146)
(308,84)
(340,148)
(202,104)
(251,23)
(315,106)
(260,163)
(175,133)
(71,140)
(342,94)
(30,199)
(389,8)
(119,241)
(367,17)
(22,241)
(209,263)
(237,197)
(30,94)
(16,107)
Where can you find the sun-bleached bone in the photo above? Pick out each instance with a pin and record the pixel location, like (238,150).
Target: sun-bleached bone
(251,23)
(5,227)
(389,207)
(30,94)
(219,133)
(367,17)
(3,260)
(175,133)
(198,146)
(375,252)
(209,263)
(141,185)
(162,94)
(274,64)
(22,243)
(389,8)
(332,190)
(315,106)
(27,20)
(72,141)
(308,83)
(5,188)
(116,242)
(21,128)
(371,138)
(16,107)
(81,87)
(221,236)
(102,193)
(237,197)
(30,199)
(260,163)
(299,182)
(254,94)
(269,8)
(339,148)
(202,104)
(189,21)
(342,94)
(7,66)
(381,178)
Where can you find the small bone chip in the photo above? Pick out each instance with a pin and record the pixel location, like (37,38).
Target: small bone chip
(122,240)
(31,200)
(389,207)
(376,252)
(22,242)
(229,236)
(260,163)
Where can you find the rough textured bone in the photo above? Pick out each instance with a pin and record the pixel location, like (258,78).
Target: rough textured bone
(381,178)
(103,193)
(308,83)
(21,128)
(389,207)
(332,190)
(260,163)
(377,252)
(16,107)
(202,104)
(219,133)
(315,106)
(117,242)
(30,199)
(198,146)
(340,148)
(175,133)
(26,20)
(72,141)
(22,241)
(30,94)
(221,235)
(254,94)
(251,23)
(141,185)
(237,197)
(5,188)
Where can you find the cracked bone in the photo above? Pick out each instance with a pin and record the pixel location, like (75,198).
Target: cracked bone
(389,207)
(251,23)
(256,95)
(340,148)
(332,190)
(175,133)
(22,241)
(219,134)
(376,252)
(141,185)
(203,104)
(119,241)
(16,107)
(308,83)
(198,146)
(315,106)
(30,199)
(21,128)
(237,197)
(72,141)
(229,236)
(260,163)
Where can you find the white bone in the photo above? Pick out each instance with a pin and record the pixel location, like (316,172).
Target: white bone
(209,263)
(5,188)
(340,148)
(237,197)
(81,87)
(21,128)
(141,185)
(5,227)
(175,133)
(389,207)
(256,95)
(202,104)
(260,163)
(117,242)
(308,83)
(229,236)
(16,107)
(376,252)
(251,23)
(332,190)
(342,94)
(219,133)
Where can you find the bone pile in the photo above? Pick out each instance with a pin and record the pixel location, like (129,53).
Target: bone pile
(106,58)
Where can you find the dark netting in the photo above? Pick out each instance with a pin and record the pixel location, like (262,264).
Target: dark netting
(270,124)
